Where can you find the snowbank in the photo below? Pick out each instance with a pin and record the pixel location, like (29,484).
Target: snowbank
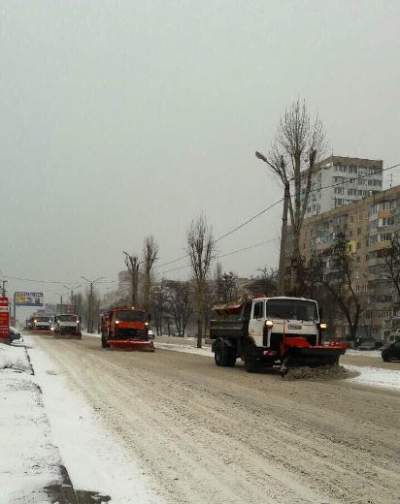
(95,460)
(364,353)
(29,461)
(376,377)
(205,351)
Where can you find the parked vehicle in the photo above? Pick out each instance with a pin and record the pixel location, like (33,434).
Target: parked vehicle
(14,334)
(126,327)
(391,351)
(67,324)
(367,345)
(284,331)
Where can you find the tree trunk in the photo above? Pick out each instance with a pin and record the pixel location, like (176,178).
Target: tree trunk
(199,331)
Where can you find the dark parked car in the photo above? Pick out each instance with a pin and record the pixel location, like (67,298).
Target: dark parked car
(14,334)
(391,351)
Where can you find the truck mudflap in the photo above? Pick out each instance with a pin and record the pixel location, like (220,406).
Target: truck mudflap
(132,344)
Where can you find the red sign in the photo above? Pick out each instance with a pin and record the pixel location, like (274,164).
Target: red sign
(4,318)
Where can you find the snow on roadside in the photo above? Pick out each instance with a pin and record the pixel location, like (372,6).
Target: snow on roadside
(375,377)
(94,458)
(363,353)
(12,358)
(29,461)
(176,347)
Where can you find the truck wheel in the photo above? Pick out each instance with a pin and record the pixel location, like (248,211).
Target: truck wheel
(218,356)
(225,356)
(104,342)
(231,357)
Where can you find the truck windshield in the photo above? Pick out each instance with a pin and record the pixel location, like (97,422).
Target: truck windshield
(67,318)
(292,309)
(43,319)
(130,316)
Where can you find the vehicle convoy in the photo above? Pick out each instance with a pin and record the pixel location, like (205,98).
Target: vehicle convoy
(284,331)
(126,327)
(67,324)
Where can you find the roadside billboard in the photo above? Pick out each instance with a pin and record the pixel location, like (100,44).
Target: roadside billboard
(24,298)
(4,318)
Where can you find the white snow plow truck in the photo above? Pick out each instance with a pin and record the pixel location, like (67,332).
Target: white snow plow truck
(67,324)
(284,331)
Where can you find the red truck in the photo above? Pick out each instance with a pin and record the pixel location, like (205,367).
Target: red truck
(127,328)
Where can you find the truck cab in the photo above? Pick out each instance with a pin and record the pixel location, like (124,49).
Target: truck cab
(67,324)
(126,327)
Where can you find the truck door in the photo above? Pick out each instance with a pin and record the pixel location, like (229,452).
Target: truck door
(257,320)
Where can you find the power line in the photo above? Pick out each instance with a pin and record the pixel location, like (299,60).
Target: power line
(232,252)
(269,207)
(228,233)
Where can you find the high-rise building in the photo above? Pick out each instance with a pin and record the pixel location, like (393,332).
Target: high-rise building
(339,180)
(368,226)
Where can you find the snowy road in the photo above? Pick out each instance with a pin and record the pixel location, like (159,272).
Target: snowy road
(206,434)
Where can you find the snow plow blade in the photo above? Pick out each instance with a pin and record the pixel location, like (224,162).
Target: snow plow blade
(131,344)
(315,356)
(67,336)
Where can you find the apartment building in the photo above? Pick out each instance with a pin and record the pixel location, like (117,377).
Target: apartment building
(368,226)
(338,180)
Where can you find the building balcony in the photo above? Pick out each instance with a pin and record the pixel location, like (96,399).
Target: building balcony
(385,214)
(381,245)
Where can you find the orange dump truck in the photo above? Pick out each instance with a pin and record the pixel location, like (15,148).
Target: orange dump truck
(127,328)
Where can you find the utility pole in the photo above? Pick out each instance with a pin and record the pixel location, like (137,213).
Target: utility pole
(90,318)
(71,294)
(286,200)
(282,252)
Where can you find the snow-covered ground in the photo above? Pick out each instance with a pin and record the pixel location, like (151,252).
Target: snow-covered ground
(95,460)
(364,353)
(374,377)
(29,461)
(185,348)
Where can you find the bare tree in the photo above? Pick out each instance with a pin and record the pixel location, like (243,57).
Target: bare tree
(150,256)
(159,305)
(200,248)
(266,282)
(298,144)
(132,264)
(392,261)
(335,273)
(180,304)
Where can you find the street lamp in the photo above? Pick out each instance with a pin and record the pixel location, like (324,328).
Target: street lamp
(91,283)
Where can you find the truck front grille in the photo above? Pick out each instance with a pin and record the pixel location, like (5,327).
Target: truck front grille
(130,334)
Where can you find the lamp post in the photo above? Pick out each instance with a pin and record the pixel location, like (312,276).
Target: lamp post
(90,320)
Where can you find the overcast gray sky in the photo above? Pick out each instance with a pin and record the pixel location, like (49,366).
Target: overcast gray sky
(125,118)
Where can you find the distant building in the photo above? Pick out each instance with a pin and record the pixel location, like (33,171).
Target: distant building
(368,226)
(339,180)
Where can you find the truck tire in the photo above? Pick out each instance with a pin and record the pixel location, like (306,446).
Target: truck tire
(225,356)
(104,342)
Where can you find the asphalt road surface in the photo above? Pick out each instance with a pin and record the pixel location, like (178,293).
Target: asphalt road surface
(221,435)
